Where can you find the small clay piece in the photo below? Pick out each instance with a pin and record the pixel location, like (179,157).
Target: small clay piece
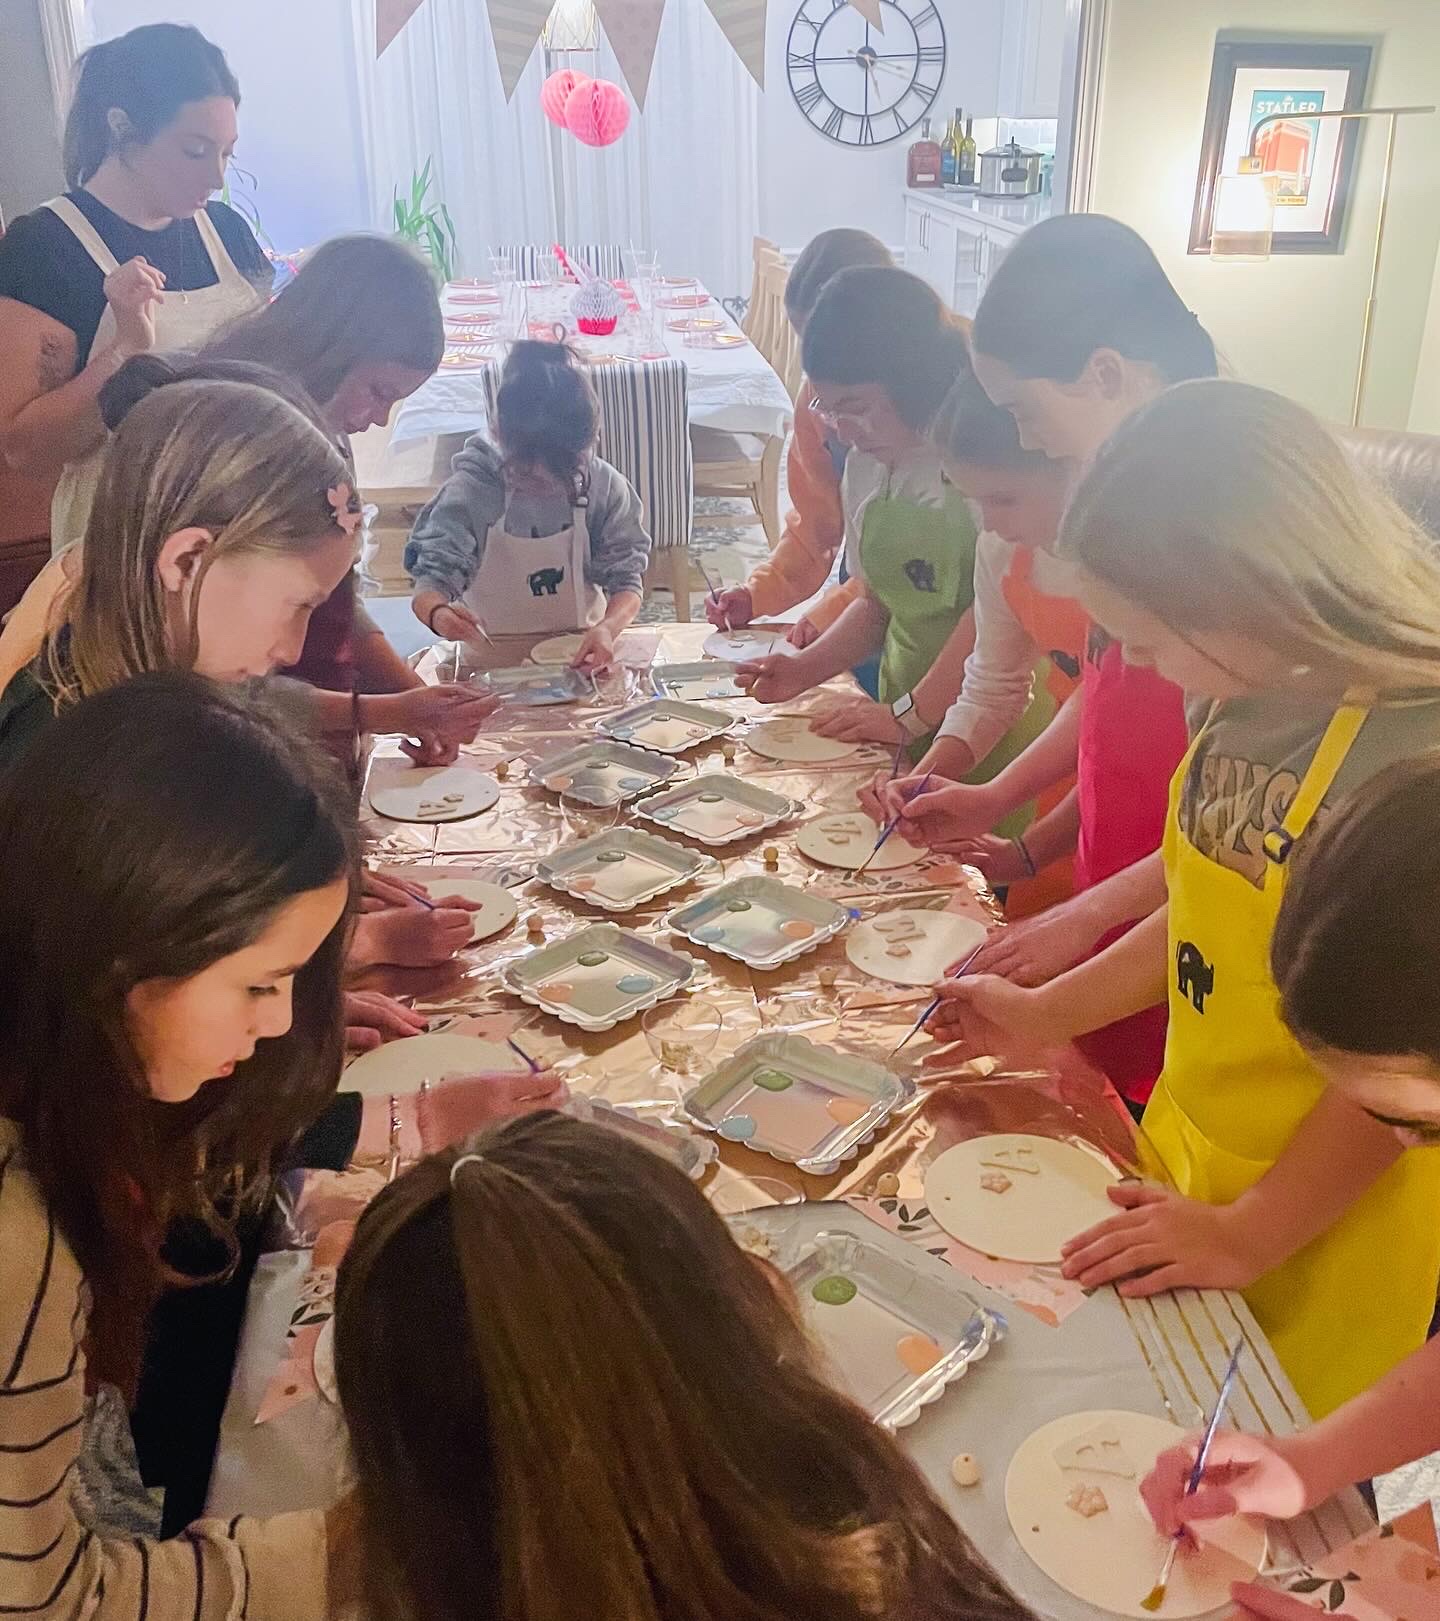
(635,984)
(828,974)
(772,855)
(502,769)
(737,905)
(771,1080)
(727,748)
(1097,1452)
(675,1055)
(535,926)
(1087,1501)
(887,1185)
(918,1352)
(897,951)
(964,1470)
(834,1291)
(754,1242)
(454,799)
(1014,1159)
(739,1128)
(996,1182)
(797,928)
(694,731)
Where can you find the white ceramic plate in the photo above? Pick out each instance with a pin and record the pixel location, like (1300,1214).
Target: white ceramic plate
(788,739)
(735,646)
(911,946)
(497,906)
(847,839)
(400,1066)
(444,793)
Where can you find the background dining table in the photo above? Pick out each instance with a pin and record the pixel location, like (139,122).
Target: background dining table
(1062,1353)
(731,386)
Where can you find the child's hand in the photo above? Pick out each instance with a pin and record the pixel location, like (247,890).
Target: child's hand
(451,620)
(459,1105)
(998,860)
(773,679)
(372,1018)
(946,814)
(732,608)
(1035,949)
(802,633)
(1244,1474)
(1170,1241)
(454,711)
(859,720)
(983,1017)
(596,650)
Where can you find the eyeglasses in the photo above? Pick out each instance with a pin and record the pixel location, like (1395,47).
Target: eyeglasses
(833,419)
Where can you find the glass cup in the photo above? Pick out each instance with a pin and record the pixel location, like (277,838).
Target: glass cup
(588,811)
(682,1033)
(502,267)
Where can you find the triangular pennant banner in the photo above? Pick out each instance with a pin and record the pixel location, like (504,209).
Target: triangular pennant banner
(632,27)
(516,25)
(390,17)
(743,23)
(870,11)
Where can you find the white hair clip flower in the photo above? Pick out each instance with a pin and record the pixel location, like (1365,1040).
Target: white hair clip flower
(344,507)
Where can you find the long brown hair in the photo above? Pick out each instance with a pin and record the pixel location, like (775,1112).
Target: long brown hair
(150,832)
(232,458)
(568,1391)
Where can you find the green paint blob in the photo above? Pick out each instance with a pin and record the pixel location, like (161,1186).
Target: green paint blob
(835,1291)
(737,906)
(592,959)
(771,1080)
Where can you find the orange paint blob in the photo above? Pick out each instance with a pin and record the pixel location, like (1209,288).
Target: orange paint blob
(918,1352)
(846,1111)
(797,928)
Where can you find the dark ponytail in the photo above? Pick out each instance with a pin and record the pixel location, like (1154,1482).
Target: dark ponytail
(1081,282)
(546,413)
(882,325)
(149,74)
(141,375)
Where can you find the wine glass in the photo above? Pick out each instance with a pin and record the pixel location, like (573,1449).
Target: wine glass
(682,1032)
(502,267)
(588,811)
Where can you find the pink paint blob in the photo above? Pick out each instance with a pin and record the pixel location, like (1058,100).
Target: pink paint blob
(918,1352)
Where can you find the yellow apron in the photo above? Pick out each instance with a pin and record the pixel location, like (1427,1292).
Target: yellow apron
(1236,1086)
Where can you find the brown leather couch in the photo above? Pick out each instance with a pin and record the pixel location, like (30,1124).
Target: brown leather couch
(1407,464)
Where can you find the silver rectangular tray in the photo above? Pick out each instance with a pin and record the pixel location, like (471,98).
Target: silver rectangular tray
(594,999)
(693,683)
(716,808)
(602,768)
(693,1153)
(536,684)
(805,1105)
(666,724)
(621,868)
(894,1300)
(756,932)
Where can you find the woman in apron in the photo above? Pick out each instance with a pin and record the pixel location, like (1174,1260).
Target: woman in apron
(133,257)
(1293,596)
(535,534)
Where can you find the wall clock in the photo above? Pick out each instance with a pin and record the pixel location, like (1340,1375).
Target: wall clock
(857,84)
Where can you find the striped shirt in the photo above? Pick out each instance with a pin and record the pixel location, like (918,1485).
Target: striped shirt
(52,1568)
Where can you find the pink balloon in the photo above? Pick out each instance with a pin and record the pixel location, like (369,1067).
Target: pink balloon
(555,92)
(597,112)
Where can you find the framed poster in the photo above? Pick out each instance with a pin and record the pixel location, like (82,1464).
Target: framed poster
(1313,158)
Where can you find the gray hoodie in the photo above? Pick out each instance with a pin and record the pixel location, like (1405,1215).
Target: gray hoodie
(448,539)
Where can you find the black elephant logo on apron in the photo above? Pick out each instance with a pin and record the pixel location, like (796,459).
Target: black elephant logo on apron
(920,572)
(1194,977)
(546,581)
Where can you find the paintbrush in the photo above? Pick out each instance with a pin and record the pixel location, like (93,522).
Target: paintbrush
(714,593)
(954,973)
(516,1048)
(893,823)
(1156,1596)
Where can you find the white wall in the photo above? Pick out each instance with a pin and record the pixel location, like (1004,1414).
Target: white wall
(29,138)
(1292,322)
(810,184)
(1425,402)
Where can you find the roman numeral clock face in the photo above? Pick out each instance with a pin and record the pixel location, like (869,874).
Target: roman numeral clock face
(857,84)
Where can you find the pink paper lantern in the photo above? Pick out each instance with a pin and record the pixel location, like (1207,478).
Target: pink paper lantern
(555,92)
(597,112)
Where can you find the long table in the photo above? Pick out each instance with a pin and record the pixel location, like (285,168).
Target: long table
(1163,1357)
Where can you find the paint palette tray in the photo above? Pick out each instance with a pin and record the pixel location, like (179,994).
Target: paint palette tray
(601,771)
(536,684)
(692,1153)
(599,976)
(806,1105)
(717,809)
(666,724)
(622,868)
(893,1334)
(759,921)
(705,678)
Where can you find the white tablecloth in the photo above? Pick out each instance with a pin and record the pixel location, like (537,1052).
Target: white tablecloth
(732,389)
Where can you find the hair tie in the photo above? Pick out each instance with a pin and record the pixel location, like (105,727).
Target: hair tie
(465,1159)
(344,507)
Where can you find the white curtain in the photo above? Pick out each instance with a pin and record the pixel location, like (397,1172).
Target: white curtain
(683,179)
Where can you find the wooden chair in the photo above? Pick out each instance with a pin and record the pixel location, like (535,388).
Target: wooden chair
(605,259)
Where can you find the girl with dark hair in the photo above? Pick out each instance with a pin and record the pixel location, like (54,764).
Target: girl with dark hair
(800,563)
(1356,958)
(133,257)
(178,883)
(603,1414)
(534,533)
(882,353)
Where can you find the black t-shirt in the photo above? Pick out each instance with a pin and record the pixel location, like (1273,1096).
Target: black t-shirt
(44,264)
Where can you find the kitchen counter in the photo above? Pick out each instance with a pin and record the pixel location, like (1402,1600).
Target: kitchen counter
(1013,214)
(955,240)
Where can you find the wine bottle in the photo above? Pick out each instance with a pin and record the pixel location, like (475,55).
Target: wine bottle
(967,160)
(950,150)
(922,162)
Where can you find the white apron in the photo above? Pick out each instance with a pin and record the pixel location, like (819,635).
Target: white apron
(182,321)
(530,585)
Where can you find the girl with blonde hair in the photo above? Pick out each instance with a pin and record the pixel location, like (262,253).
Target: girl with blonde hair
(1223,537)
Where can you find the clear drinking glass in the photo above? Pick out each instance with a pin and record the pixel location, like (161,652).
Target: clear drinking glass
(589,811)
(682,1033)
(502,267)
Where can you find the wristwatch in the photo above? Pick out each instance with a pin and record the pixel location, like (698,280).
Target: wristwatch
(904,710)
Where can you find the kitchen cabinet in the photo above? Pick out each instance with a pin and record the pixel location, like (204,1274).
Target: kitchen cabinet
(956,240)
(1032,49)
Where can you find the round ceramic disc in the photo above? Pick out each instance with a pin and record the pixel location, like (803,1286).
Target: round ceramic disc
(786,739)
(1055,1191)
(846,838)
(736,646)
(322,1359)
(497,906)
(400,794)
(1111,1558)
(400,1066)
(932,941)
(561,649)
